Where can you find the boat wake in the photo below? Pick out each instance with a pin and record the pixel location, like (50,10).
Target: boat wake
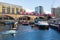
(9,32)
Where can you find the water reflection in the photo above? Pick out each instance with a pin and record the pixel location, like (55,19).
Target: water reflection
(28,33)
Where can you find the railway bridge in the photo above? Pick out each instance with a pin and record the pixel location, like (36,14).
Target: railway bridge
(16,16)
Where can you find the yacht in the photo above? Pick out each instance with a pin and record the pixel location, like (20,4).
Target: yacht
(42,23)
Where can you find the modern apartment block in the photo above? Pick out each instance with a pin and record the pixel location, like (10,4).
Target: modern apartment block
(6,8)
(39,9)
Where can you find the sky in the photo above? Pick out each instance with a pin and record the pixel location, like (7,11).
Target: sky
(30,5)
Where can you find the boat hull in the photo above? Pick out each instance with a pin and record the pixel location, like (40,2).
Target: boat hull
(57,28)
(43,26)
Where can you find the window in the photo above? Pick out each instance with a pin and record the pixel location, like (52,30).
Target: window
(21,9)
(8,10)
(3,9)
(16,10)
(12,10)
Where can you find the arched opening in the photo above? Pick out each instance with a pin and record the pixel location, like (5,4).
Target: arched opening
(6,17)
(24,19)
(5,20)
(10,18)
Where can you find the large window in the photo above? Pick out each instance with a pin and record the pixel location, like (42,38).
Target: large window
(21,9)
(17,10)
(3,9)
(8,10)
(12,10)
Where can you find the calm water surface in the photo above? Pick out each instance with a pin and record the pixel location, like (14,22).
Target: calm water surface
(27,33)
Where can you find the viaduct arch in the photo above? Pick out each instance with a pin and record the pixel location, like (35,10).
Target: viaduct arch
(17,16)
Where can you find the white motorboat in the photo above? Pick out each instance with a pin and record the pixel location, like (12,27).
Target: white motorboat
(41,22)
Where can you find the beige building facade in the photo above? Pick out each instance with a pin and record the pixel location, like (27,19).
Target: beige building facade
(6,8)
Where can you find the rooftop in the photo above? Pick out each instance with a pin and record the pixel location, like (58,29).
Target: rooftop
(13,5)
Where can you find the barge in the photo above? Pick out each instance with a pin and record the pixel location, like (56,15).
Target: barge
(55,24)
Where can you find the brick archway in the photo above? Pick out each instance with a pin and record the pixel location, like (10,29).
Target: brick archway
(25,17)
(6,17)
(10,17)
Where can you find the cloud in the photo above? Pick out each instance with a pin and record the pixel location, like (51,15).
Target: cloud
(28,10)
(47,12)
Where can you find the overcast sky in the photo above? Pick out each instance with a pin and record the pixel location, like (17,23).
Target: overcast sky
(31,4)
